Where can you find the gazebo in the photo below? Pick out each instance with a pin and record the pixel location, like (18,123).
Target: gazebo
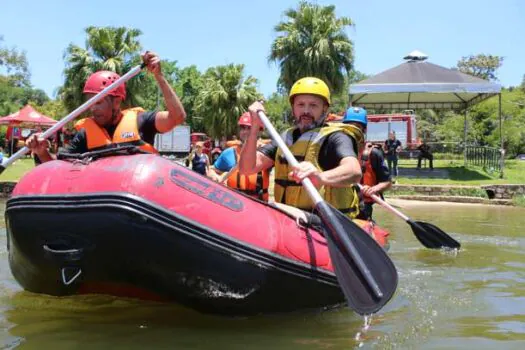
(418,84)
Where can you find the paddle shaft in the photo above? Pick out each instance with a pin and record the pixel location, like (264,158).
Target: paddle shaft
(71,116)
(429,235)
(393,210)
(316,198)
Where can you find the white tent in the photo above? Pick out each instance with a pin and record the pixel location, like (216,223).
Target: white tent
(418,84)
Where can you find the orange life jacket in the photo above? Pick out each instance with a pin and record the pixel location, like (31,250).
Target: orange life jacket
(255,185)
(369,176)
(126,132)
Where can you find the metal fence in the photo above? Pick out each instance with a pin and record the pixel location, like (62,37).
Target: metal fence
(489,158)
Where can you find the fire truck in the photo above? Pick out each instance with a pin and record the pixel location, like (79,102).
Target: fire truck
(403,124)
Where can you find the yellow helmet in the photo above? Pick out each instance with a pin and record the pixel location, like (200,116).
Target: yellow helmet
(310,86)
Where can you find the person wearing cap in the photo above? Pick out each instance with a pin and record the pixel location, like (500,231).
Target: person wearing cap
(376,177)
(327,152)
(109,125)
(255,185)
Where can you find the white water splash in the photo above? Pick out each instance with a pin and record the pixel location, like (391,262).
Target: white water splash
(359,337)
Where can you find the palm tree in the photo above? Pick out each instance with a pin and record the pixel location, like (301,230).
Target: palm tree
(224,96)
(312,42)
(107,48)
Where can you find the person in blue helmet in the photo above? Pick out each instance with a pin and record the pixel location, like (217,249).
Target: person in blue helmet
(376,176)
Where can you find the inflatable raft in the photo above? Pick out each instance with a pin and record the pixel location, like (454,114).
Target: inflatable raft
(139,225)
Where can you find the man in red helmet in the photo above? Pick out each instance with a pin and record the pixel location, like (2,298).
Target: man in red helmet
(110,125)
(255,185)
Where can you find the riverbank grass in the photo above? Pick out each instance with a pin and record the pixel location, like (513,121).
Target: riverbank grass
(514,173)
(18,169)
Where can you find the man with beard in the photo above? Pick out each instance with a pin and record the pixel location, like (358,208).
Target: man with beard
(109,125)
(327,152)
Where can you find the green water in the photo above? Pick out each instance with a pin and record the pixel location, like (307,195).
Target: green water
(471,300)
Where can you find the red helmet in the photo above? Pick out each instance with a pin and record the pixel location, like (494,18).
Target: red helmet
(245,119)
(98,81)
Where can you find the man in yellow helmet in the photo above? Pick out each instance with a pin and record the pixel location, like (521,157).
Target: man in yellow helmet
(327,152)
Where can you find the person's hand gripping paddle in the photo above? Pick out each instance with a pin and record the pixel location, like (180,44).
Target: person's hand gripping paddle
(71,116)
(365,272)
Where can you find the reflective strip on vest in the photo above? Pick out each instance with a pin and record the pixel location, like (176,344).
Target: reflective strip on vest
(307,148)
(369,175)
(255,185)
(126,132)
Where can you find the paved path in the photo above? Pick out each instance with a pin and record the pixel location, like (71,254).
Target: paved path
(424,173)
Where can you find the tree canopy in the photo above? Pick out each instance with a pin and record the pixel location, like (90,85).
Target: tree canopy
(312,41)
(481,66)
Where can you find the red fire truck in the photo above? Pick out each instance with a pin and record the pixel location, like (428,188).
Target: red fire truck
(403,124)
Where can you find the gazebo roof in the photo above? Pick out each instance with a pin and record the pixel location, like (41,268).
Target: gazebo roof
(420,84)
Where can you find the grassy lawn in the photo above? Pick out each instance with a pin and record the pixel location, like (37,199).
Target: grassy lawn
(16,170)
(514,173)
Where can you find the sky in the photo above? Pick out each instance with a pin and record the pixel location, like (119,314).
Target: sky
(210,33)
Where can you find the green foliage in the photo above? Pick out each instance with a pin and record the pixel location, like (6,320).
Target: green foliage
(224,96)
(14,63)
(187,86)
(18,169)
(12,97)
(107,48)
(53,108)
(312,42)
(149,96)
(279,111)
(519,200)
(482,123)
(449,129)
(15,87)
(459,175)
(454,191)
(485,122)
(481,66)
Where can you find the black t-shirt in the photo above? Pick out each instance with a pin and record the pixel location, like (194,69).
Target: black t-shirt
(378,165)
(424,149)
(337,146)
(146,127)
(391,146)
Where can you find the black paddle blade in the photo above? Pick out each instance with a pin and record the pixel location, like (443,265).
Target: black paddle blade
(432,236)
(2,168)
(365,272)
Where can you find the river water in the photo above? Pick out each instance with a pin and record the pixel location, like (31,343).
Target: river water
(471,300)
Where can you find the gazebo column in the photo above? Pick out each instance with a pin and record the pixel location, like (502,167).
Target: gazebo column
(502,149)
(465,131)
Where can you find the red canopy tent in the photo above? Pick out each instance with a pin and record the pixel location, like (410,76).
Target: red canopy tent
(27,115)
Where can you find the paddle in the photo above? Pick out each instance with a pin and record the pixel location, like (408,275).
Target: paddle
(364,271)
(71,116)
(429,235)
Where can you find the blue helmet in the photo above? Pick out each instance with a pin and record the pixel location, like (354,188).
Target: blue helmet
(357,115)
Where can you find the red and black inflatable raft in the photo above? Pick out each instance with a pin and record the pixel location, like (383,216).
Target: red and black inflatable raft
(143,226)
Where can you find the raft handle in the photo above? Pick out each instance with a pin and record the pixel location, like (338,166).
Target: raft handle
(62,251)
(68,280)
